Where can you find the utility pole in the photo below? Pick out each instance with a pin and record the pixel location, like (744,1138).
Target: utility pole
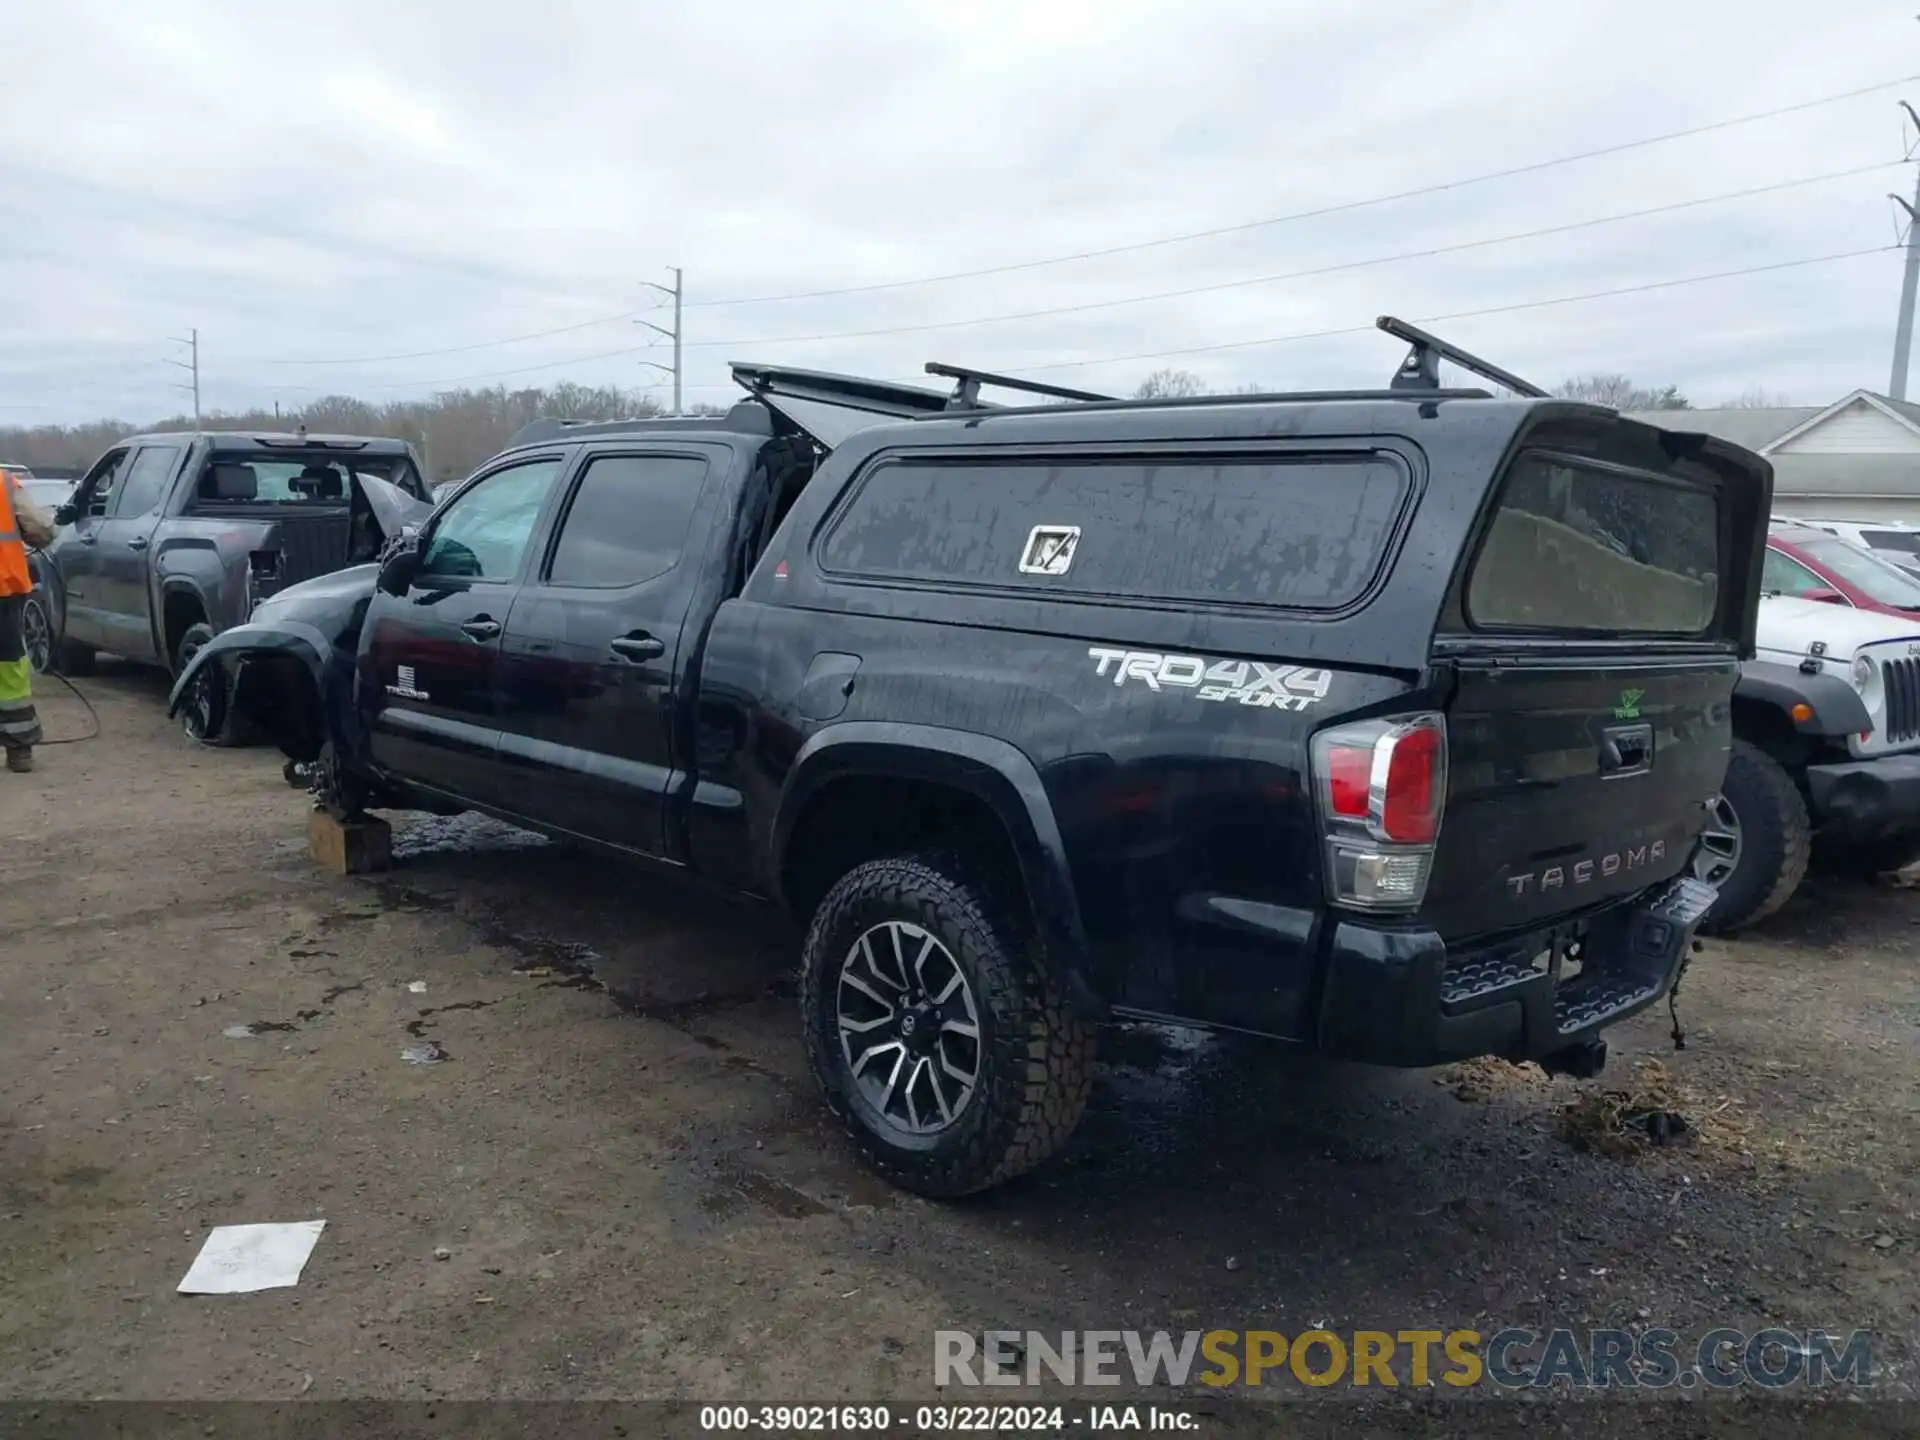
(673,334)
(1903,330)
(192,366)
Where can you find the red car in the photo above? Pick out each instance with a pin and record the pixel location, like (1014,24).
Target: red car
(1814,565)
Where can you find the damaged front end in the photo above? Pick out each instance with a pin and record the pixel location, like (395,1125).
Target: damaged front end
(288,674)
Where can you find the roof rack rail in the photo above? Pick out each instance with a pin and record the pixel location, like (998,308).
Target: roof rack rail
(1421,369)
(966,390)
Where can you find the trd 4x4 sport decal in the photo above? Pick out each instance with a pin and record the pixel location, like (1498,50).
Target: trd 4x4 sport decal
(1242,682)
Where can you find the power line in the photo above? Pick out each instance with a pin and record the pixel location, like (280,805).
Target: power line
(1345,265)
(679,286)
(1343,207)
(1205,349)
(476,345)
(192,365)
(1213,287)
(1467,314)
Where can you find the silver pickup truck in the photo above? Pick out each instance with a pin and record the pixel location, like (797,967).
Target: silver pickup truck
(170,539)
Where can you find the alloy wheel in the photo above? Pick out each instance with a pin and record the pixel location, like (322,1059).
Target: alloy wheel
(909,1027)
(1718,855)
(37,633)
(199,704)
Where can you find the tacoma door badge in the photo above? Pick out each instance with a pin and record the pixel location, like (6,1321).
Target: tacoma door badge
(404,687)
(1049,549)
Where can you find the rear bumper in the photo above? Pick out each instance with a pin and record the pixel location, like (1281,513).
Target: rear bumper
(1400,997)
(1865,799)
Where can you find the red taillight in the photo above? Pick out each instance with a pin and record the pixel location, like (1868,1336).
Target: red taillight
(1349,770)
(1382,786)
(1411,813)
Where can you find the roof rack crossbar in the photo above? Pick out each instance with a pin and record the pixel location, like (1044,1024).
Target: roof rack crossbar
(1421,369)
(967,383)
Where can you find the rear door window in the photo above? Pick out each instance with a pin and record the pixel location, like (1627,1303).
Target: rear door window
(1302,531)
(1586,548)
(627,521)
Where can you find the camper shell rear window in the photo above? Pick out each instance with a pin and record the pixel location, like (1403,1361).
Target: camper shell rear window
(1579,546)
(1306,530)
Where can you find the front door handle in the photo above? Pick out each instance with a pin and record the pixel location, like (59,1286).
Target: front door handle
(89,538)
(481,628)
(139,542)
(638,647)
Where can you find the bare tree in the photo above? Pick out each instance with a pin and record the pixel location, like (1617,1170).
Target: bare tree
(1169,385)
(454,431)
(1757,398)
(1620,392)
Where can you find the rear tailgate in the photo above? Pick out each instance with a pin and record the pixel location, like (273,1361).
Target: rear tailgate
(1594,635)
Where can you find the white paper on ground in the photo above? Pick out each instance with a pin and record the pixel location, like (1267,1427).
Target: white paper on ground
(240,1258)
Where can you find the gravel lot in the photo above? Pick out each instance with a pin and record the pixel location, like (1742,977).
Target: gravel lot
(639,1195)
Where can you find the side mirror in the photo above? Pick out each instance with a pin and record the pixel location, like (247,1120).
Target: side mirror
(65,514)
(400,567)
(1825,597)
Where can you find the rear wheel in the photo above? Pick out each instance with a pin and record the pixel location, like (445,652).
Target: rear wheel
(951,1060)
(36,632)
(1756,844)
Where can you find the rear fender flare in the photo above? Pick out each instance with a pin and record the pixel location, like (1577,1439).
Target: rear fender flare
(991,770)
(1837,709)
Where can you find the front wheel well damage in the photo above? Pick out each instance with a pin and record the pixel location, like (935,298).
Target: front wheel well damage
(278,694)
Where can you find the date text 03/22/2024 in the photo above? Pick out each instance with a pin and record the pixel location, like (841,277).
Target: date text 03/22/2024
(941,1419)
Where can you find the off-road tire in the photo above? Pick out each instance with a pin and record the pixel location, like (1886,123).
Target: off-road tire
(1776,841)
(1036,1056)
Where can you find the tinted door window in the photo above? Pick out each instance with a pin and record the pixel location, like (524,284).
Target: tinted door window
(145,484)
(483,535)
(1307,531)
(102,480)
(628,520)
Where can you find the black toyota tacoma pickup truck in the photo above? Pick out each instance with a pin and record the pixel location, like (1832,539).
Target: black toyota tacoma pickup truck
(1380,722)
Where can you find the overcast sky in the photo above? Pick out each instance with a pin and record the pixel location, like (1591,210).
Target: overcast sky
(355,181)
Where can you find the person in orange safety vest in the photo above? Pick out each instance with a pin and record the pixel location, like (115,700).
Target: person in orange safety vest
(22,523)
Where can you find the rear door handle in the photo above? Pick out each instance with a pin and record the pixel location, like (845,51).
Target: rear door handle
(139,542)
(89,538)
(481,628)
(638,647)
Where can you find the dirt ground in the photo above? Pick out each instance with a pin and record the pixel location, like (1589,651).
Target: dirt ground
(640,1195)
